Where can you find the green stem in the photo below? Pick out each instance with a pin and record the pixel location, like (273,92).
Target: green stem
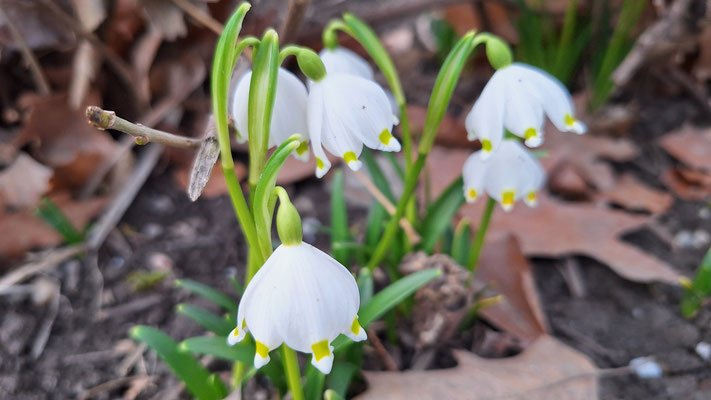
(478,241)
(293,374)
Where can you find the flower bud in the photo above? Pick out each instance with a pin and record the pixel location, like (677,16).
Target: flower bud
(310,64)
(288,220)
(498,52)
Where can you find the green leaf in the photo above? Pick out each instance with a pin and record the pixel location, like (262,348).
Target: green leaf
(262,211)
(377,174)
(339,219)
(365,285)
(700,288)
(206,319)
(376,219)
(217,346)
(196,378)
(439,215)
(444,35)
(460,243)
(315,382)
(340,377)
(208,293)
(52,215)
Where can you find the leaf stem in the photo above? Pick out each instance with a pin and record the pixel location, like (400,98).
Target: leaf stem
(478,241)
(293,374)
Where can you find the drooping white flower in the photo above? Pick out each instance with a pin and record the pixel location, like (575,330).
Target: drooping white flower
(301,297)
(344,61)
(510,174)
(288,114)
(516,98)
(346,112)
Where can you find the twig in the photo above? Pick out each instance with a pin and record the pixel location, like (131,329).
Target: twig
(131,307)
(390,364)
(49,261)
(108,120)
(124,198)
(30,59)
(573,277)
(46,328)
(389,207)
(201,17)
(111,385)
(119,66)
(293,20)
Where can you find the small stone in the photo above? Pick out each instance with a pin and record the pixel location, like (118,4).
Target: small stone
(701,238)
(43,290)
(704,213)
(162,204)
(684,240)
(703,349)
(646,368)
(152,230)
(160,262)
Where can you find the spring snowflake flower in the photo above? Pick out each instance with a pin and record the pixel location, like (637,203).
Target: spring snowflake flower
(515,98)
(301,297)
(344,61)
(288,115)
(509,175)
(346,112)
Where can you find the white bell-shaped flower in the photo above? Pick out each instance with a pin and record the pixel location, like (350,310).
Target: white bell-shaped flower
(516,98)
(346,112)
(301,297)
(288,114)
(344,61)
(510,174)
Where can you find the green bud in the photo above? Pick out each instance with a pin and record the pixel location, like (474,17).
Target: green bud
(288,220)
(310,64)
(498,52)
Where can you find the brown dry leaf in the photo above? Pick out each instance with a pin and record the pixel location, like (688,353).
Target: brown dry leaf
(39,27)
(687,183)
(466,16)
(23,183)
(546,370)
(567,182)
(633,195)
(690,145)
(165,17)
(702,66)
(65,141)
(556,229)
(504,267)
(216,185)
(26,231)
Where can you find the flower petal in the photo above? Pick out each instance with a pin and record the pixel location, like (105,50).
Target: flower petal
(343,61)
(474,175)
(240,102)
(322,357)
(505,174)
(486,119)
(524,114)
(315,118)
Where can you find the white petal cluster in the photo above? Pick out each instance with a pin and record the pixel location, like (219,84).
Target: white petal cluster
(288,115)
(301,297)
(346,112)
(511,173)
(516,98)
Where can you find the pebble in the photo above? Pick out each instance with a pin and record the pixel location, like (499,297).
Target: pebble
(684,240)
(152,230)
(160,262)
(705,213)
(703,349)
(646,368)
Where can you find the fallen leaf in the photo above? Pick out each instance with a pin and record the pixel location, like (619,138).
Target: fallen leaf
(165,17)
(64,140)
(556,229)
(23,183)
(504,267)
(567,182)
(28,232)
(690,145)
(546,370)
(702,64)
(633,195)
(687,183)
(39,27)
(466,16)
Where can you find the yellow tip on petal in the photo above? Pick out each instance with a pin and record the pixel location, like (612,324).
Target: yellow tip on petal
(507,199)
(486,145)
(262,349)
(471,194)
(531,197)
(320,350)
(303,148)
(350,157)
(355,326)
(319,163)
(569,120)
(385,137)
(530,133)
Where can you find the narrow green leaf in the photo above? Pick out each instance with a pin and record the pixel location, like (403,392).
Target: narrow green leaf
(396,165)
(332,395)
(460,243)
(439,215)
(315,382)
(376,219)
(700,288)
(52,215)
(217,346)
(339,219)
(365,285)
(208,293)
(206,319)
(188,369)
(340,377)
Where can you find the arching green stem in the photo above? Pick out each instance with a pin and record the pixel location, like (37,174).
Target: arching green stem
(478,241)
